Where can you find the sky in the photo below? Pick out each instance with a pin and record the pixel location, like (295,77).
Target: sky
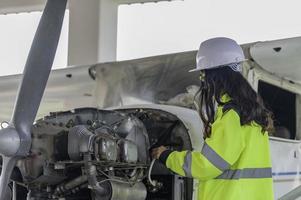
(166,27)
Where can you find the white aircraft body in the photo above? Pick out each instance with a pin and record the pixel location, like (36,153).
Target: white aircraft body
(163,84)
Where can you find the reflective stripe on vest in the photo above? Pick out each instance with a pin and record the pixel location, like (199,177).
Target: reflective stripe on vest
(246,173)
(187,164)
(224,166)
(214,158)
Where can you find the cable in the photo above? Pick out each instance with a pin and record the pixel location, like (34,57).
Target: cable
(116,180)
(150,171)
(110,178)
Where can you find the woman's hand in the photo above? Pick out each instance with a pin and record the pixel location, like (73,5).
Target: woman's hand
(157,152)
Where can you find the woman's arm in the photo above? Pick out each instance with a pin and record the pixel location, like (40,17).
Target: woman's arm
(218,154)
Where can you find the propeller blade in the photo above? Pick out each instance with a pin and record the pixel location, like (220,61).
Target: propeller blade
(15,140)
(8,165)
(37,70)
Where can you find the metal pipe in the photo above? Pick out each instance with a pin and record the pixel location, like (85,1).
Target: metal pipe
(14,191)
(101,191)
(71,184)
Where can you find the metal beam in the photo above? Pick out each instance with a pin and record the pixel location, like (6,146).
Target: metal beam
(17,6)
(92,31)
(139,1)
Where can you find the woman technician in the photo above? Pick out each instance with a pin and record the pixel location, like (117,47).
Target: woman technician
(235,160)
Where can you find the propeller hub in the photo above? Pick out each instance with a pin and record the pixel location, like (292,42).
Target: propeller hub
(9,141)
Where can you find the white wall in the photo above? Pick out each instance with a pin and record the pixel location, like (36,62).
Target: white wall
(17,32)
(166,27)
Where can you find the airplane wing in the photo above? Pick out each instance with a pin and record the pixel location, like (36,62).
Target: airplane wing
(66,89)
(148,80)
(158,79)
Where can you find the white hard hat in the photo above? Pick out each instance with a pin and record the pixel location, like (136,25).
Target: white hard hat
(217,52)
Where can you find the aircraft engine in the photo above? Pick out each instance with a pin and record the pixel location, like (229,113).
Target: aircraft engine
(107,150)
(91,154)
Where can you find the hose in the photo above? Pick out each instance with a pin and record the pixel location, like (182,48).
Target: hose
(150,172)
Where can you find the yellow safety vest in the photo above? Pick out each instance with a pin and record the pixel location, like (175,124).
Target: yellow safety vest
(234,162)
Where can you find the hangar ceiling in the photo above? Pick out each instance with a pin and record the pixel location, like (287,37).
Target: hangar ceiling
(17,6)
